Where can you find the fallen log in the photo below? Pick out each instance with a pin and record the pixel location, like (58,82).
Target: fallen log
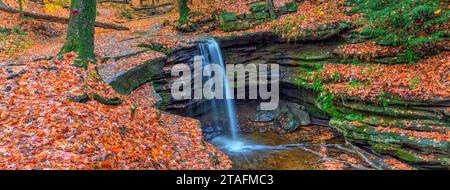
(50,18)
(151,7)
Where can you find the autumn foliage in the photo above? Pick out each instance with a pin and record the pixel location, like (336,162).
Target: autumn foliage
(426,80)
(43,128)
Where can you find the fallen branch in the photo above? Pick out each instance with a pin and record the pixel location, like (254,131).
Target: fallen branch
(151,7)
(49,18)
(329,159)
(371,159)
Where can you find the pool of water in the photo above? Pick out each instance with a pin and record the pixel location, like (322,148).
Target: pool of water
(266,151)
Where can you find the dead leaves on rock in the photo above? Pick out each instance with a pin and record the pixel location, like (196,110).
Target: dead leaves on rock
(426,80)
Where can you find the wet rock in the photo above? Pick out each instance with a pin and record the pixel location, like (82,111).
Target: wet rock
(13,76)
(9,70)
(262,116)
(7,89)
(290,116)
(212,129)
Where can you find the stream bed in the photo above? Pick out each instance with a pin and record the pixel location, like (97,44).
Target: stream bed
(260,148)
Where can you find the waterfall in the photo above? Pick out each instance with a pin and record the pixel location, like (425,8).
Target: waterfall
(211,54)
(232,143)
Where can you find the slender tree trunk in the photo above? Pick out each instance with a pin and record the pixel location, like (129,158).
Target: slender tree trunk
(20,9)
(80,34)
(183,11)
(271,9)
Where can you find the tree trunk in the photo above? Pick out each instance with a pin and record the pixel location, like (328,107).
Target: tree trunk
(183,11)
(20,9)
(80,34)
(271,9)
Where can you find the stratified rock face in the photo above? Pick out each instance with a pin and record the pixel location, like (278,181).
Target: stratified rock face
(419,135)
(414,131)
(257,15)
(400,110)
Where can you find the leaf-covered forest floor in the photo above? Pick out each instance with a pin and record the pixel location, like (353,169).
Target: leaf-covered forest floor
(44,128)
(52,118)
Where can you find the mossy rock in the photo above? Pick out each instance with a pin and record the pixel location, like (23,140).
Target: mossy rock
(226,17)
(80,99)
(289,116)
(129,80)
(235,26)
(288,7)
(365,133)
(321,32)
(312,57)
(249,16)
(394,111)
(426,160)
(315,112)
(107,101)
(241,16)
(164,98)
(404,123)
(156,47)
(259,7)
(262,15)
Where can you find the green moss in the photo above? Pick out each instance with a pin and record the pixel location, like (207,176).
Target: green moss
(235,26)
(315,112)
(367,133)
(156,47)
(289,7)
(80,34)
(259,7)
(394,111)
(135,77)
(261,15)
(183,11)
(107,101)
(80,99)
(227,17)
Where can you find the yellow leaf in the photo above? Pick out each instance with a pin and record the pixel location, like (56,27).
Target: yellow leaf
(437,11)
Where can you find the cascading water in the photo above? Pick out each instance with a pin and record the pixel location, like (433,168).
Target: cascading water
(232,143)
(211,54)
